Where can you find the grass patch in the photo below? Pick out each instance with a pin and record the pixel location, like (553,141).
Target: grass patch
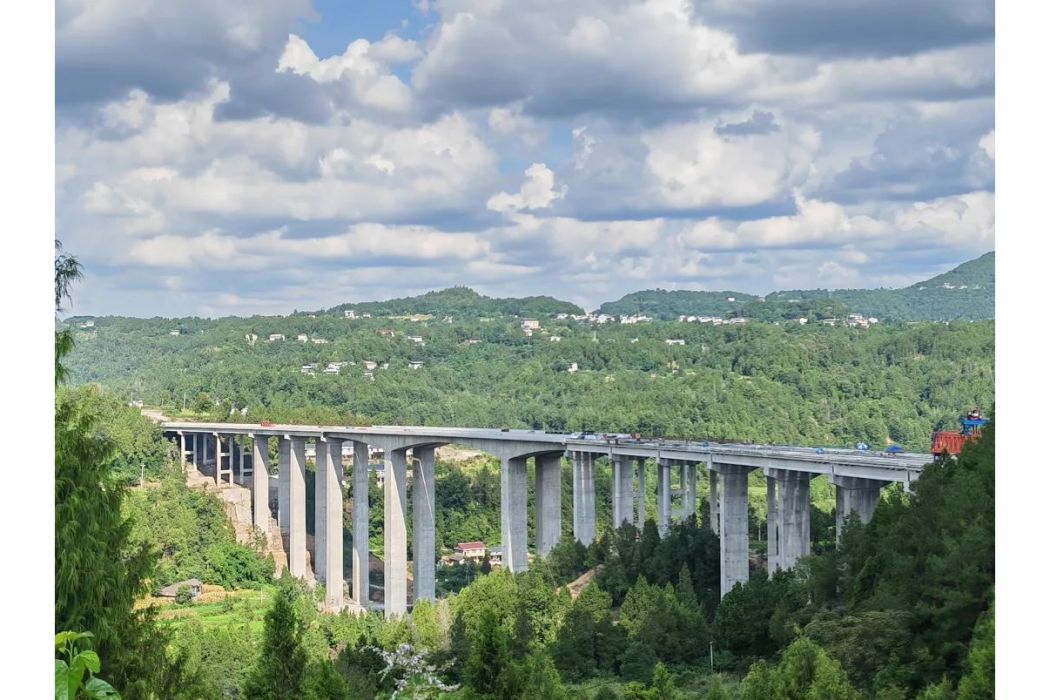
(235,607)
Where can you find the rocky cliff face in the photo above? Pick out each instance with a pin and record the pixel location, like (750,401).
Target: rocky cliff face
(237,502)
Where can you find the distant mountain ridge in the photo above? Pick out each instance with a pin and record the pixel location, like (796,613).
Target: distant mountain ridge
(461,301)
(966,292)
(669,304)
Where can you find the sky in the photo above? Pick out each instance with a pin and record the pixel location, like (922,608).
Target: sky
(259,156)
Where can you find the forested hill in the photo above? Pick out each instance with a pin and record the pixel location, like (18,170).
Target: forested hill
(964,293)
(670,304)
(462,301)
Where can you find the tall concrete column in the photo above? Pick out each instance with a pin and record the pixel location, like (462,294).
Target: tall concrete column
(853,494)
(772,536)
(333,525)
(196,451)
(548,502)
(713,502)
(321,457)
(583,497)
(689,507)
(284,461)
(623,490)
(641,492)
(423,568)
(663,496)
(297,508)
(577,492)
(513,517)
(395,535)
(182,450)
(260,483)
(733,535)
(681,490)
(204,452)
(792,515)
(218,457)
(360,587)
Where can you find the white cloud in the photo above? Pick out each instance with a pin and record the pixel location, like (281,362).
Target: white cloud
(537,192)
(181,160)
(584,146)
(362,67)
(219,250)
(987,144)
(696,167)
(229,144)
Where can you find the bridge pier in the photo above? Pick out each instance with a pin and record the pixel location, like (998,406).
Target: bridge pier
(713,510)
(792,506)
(395,536)
(284,461)
(513,518)
(583,497)
(360,588)
(640,496)
(261,483)
(623,490)
(853,494)
(772,533)
(328,521)
(663,496)
(548,502)
(297,508)
(423,567)
(319,553)
(334,527)
(733,531)
(687,480)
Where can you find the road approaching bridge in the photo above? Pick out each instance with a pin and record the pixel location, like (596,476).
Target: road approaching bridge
(858,477)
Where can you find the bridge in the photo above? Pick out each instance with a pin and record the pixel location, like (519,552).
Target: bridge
(857,476)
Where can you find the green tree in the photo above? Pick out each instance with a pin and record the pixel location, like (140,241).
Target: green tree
(67,271)
(489,660)
(805,672)
(98,573)
(539,679)
(183,595)
(280,671)
(715,689)
(979,679)
(663,686)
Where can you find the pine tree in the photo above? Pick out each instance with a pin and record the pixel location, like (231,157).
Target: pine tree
(489,656)
(540,680)
(280,671)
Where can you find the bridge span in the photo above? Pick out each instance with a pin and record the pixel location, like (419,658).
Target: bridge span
(857,476)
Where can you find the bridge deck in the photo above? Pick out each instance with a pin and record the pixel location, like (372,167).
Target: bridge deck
(902,466)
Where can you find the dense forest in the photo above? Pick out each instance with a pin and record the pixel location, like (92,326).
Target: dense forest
(790,383)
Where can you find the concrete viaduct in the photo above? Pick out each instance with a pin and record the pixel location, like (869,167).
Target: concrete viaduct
(857,476)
